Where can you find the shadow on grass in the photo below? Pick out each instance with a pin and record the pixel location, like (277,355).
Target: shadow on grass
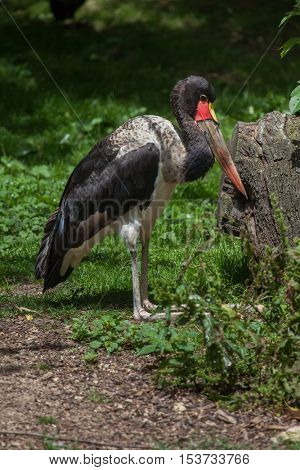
(139,60)
(111,299)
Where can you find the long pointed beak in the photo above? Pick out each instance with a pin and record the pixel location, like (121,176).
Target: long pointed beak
(219,149)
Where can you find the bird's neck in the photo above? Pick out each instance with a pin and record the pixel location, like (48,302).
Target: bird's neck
(199,158)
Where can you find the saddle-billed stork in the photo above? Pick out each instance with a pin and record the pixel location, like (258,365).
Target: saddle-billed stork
(124,182)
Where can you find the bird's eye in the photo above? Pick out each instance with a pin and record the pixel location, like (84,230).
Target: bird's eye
(203,98)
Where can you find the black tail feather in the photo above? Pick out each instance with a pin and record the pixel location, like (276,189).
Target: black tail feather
(41,264)
(49,259)
(54,277)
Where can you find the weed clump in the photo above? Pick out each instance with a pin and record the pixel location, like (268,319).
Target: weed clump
(252,346)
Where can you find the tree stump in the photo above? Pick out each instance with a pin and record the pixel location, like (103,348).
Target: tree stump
(267,156)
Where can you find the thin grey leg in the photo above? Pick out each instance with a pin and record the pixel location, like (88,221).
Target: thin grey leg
(137,306)
(144,271)
(130,234)
(139,312)
(144,277)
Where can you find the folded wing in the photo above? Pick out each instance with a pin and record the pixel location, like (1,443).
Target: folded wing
(98,192)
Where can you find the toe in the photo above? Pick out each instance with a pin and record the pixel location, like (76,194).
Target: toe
(149,305)
(141,314)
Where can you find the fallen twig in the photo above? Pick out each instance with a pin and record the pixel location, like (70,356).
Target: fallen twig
(71,439)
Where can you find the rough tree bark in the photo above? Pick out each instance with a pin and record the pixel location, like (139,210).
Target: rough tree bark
(267,155)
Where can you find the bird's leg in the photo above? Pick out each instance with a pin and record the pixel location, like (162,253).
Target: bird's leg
(137,305)
(130,233)
(144,277)
(139,311)
(146,305)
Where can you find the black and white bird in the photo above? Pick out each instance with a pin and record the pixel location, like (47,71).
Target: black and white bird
(124,182)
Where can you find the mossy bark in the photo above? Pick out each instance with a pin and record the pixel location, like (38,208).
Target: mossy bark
(267,156)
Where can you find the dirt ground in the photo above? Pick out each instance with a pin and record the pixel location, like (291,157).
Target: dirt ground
(47,389)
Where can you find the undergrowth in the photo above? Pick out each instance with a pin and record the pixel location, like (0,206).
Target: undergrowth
(249,349)
(233,352)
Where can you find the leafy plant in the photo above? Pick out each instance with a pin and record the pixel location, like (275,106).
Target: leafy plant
(253,345)
(105,332)
(287,47)
(112,333)
(295,100)
(222,348)
(294,12)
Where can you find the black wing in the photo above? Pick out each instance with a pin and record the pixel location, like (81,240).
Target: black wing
(96,187)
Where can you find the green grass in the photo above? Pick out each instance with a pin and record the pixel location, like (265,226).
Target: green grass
(43,366)
(49,443)
(207,443)
(47,420)
(221,443)
(121,61)
(96,397)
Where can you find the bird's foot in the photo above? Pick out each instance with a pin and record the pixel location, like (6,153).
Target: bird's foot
(143,315)
(147,305)
(150,307)
(175,308)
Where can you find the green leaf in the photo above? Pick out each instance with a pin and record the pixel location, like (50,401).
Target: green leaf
(288,45)
(296,90)
(287,18)
(174,362)
(150,348)
(112,347)
(294,103)
(90,356)
(41,170)
(95,344)
(290,14)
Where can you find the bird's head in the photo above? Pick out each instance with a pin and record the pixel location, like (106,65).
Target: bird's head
(192,100)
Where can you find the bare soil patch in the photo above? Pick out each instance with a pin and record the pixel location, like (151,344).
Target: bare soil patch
(46,388)
(28,288)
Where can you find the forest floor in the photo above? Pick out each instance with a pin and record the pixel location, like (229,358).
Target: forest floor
(50,398)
